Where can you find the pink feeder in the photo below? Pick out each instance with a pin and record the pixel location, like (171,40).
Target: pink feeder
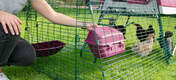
(48,48)
(110,42)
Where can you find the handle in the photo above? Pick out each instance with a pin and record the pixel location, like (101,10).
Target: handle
(90,27)
(110,46)
(121,44)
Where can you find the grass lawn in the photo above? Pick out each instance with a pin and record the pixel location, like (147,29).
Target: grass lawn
(62,65)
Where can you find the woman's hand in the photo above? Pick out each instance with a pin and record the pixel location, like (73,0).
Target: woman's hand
(91,26)
(12,21)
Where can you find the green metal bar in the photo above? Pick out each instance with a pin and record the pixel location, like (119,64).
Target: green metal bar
(100,18)
(27,19)
(93,20)
(37,30)
(76,44)
(166,50)
(127,21)
(81,52)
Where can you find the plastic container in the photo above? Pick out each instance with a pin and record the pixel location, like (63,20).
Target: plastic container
(105,42)
(44,49)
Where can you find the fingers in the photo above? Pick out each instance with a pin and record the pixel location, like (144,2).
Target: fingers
(11,28)
(91,26)
(10,23)
(15,28)
(4,27)
(18,26)
(19,21)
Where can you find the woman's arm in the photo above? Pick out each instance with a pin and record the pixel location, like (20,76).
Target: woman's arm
(44,9)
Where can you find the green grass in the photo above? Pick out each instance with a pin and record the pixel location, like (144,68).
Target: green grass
(62,65)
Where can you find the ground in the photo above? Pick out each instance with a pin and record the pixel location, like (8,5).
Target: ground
(63,63)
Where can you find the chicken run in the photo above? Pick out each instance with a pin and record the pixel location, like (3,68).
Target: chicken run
(135,39)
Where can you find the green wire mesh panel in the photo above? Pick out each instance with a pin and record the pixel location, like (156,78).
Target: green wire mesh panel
(23,16)
(169,25)
(126,65)
(77,60)
(61,65)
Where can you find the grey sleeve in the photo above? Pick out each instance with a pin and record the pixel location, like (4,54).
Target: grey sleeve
(31,0)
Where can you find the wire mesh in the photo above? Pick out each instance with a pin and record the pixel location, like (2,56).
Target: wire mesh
(77,60)
(126,65)
(38,30)
(169,26)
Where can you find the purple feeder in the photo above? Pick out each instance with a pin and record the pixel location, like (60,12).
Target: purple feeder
(44,49)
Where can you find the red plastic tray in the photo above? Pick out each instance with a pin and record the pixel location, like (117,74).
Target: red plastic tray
(44,49)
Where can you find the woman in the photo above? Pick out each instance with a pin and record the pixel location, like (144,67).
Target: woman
(13,49)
